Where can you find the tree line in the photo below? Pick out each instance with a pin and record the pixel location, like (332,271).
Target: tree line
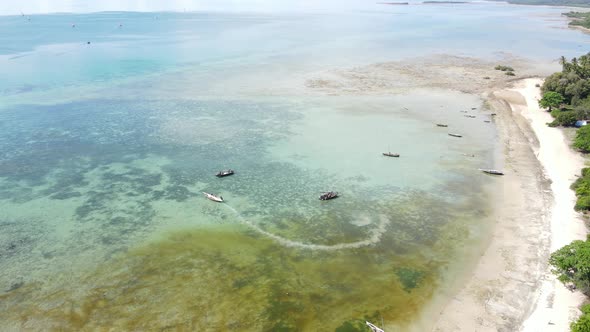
(566,94)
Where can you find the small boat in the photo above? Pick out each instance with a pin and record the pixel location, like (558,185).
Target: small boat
(492,171)
(214,198)
(487,121)
(493,114)
(469,116)
(455,135)
(373,327)
(328,195)
(442,125)
(389,154)
(463,111)
(473,108)
(221,174)
(469,155)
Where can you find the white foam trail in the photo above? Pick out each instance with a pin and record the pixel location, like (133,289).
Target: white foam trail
(374,238)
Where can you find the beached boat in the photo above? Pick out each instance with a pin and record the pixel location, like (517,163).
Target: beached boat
(214,198)
(328,195)
(389,154)
(373,327)
(455,135)
(491,171)
(442,125)
(221,174)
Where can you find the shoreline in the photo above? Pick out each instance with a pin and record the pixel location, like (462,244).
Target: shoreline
(511,287)
(556,306)
(507,282)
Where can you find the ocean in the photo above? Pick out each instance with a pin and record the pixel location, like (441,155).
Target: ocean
(112,125)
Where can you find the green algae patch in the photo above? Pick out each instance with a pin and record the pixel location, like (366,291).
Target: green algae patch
(409,278)
(228,278)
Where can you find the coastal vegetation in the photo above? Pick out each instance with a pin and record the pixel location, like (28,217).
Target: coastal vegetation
(582,189)
(583,323)
(579,19)
(566,94)
(573,3)
(582,140)
(551,99)
(503,68)
(571,264)
(509,71)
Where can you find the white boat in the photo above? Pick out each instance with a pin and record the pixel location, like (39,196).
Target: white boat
(492,171)
(373,327)
(455,135)
(213,197)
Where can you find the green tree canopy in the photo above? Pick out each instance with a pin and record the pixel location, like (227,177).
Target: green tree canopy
(551,99)
(582,140)
(571,264)
(582,324)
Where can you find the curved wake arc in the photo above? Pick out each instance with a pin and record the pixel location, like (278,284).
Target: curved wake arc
(373,239)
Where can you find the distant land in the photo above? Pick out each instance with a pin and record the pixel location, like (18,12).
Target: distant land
(572,3)
(579,19)
(431,2)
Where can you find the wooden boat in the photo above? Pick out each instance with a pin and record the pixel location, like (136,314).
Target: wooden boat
(373,327)
(214,198)
(389,154)
(441,125)
(328,195)
(221,174)
(492,171)
(455,135)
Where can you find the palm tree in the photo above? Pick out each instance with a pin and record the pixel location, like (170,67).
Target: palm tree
(564,64)
(575,66)
(585,66)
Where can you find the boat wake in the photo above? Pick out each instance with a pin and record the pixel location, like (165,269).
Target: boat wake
(374,238)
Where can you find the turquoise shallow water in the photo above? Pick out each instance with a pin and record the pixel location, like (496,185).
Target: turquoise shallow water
(106,147)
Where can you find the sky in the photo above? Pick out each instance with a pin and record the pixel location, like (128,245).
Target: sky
(12,7)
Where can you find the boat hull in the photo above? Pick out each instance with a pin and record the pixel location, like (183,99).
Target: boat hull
(328,196)
(222,174)
(213,197)
(492,171)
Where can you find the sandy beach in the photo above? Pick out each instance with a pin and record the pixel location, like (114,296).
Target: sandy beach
(557,306)
(511,287)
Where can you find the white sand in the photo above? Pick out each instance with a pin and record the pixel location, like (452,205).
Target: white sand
(556,306)
(511,282)
(535,216)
